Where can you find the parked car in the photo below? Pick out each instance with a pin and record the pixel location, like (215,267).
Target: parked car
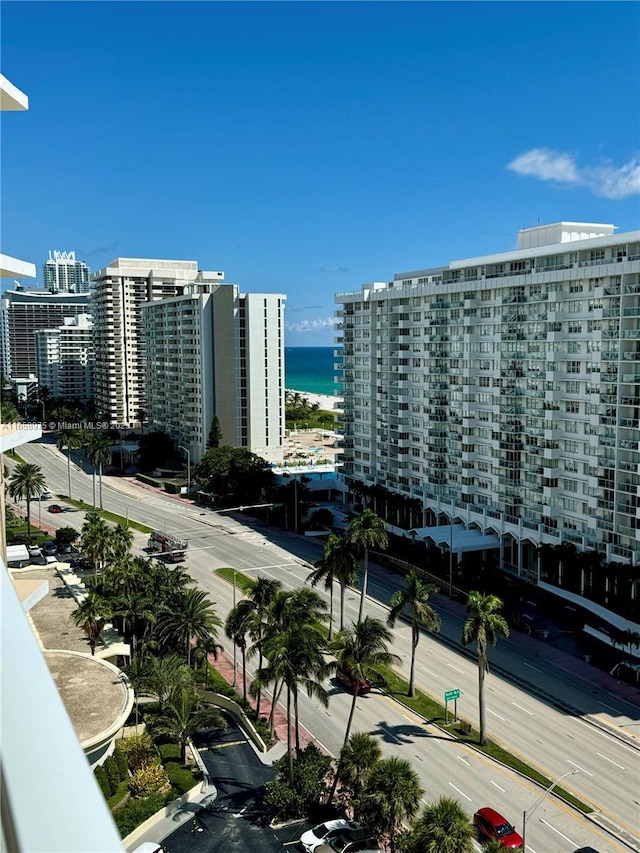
(54,508)
(355,685)
(45,496)
(321,833)
(49,548)
(347,841)
(491,824)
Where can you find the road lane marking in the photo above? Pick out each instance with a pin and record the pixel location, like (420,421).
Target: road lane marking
(497,786)
(391,734)
(456,668)
(582,770)
(572,843)
(462,793)
(432,674)
(496,715)
(522,709)
(606,735)
(464,760)
(534,667)
(611,760)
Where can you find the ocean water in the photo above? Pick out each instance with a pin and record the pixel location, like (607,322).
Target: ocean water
(310,369)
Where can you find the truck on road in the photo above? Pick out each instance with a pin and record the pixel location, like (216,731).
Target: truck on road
(168,547)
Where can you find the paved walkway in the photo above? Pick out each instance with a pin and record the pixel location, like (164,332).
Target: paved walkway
(225,667)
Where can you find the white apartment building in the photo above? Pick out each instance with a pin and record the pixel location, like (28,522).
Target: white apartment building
(217,352)
(65,358)
(120,291)
(503,391)
(22,313)
(61,271)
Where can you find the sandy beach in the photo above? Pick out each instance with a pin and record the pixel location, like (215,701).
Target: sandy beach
(324,401)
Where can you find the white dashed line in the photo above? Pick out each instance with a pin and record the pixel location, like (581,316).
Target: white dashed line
(462,793)
(496,715)
(464,760)
(533,667)
(522,709)
(581,769)
(497,786)
(572,843)
(611,761)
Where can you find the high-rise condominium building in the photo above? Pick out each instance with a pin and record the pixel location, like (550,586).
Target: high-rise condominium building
(120,291)
(504,391)
(62,272)
(217,352)
(65,358)
(22,313)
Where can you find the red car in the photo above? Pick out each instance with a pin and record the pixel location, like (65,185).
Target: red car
(490,824)
(54,508)
(358,687)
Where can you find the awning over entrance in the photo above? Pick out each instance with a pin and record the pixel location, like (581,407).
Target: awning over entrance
(457,536)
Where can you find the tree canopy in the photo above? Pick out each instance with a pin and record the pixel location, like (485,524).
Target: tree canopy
(233,475)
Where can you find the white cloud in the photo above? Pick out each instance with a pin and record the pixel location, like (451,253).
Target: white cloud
(605,180)
(311,325)
(333,268)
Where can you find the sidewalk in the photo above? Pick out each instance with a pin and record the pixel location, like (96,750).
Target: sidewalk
(225,667)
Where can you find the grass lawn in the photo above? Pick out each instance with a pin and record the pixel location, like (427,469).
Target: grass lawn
(108,516)
(433,712)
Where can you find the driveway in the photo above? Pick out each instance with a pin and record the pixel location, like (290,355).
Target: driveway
(233,822)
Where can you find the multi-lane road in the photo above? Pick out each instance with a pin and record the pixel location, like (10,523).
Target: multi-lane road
(595,738)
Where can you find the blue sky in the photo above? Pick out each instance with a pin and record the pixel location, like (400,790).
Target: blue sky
(307,147)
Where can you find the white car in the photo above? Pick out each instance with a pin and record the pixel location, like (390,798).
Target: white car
(323,832)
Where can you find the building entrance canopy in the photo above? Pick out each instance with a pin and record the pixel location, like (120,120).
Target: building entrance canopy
(455,536)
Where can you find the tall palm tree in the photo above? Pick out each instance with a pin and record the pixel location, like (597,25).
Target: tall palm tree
(416,597)
(91,615)
(261,597)
(27,482)
(100,455)
(443,827)
(337,564)
(192,615)
(240,622)
(185,714)
(358,757)
(133,606)
(365,532)
(391,797)
(137,671)
(69,439)
(483,627)
(363,650)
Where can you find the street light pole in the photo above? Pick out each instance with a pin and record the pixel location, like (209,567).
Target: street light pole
(532,808)
(451,558)
(188,452)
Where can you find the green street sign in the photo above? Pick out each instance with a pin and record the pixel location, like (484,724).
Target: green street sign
(451,694)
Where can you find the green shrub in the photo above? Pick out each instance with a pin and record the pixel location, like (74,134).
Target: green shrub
(102,779)
(113,774)
(310,768)
(121,761)
(181,778)
(135,812)
(148,779)
(148,480)
(139,750)
(172,488)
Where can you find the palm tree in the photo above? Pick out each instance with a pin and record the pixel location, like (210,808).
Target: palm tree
(69,439)
(98,450)
(416,597)
(391,797)
(185,714)
(134,606)
(363,651)
(96,541)
(192,615)
(137,671)
(337,564)
(261,596)
(443,827)
(121,541)
(358,757)
(92,615)
(27,482)
(239,623)
(167,676)
(365,532)
(484,626)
